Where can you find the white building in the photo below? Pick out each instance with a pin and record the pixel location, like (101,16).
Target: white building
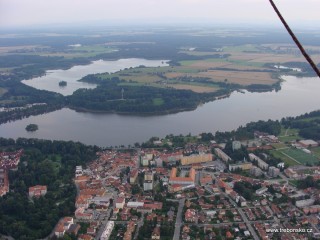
(255,171)
(79,171)
(147,185)
(305,203)
(273,172)
(222,155)
(120,202)
(101,201)
(148,181)
(308,143)
(107,231)
(261,164)
(262,190)
(236,145)
(135,204)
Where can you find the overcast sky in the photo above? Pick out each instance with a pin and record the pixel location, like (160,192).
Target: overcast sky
(38,12)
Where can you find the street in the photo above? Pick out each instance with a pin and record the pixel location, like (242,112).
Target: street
(179,222)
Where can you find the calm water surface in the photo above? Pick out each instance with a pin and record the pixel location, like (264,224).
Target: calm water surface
(297,96)
(51,80)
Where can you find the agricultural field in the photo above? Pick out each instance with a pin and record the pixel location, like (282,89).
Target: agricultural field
(70,52)
(16,49)
(203,75)
(239,64)
(82,51)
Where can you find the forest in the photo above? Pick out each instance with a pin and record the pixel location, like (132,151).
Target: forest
(44,162)
(107,97)
(308,124)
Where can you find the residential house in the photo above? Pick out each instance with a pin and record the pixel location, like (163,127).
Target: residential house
(37,191)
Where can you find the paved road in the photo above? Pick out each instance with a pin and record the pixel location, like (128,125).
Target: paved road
(3,237)
(198,175)
(103,223)
(179,222)
(139,225)
(245,219)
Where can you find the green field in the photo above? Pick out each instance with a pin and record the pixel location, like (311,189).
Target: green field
(83,51)
(158,101)
(316,151)
(279,145)
(288,135)
(241,48)
(288,161)
(301,156)
(3,91)
(156,77)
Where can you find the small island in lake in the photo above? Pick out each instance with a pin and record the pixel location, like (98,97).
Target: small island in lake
(32,127)
(62,83)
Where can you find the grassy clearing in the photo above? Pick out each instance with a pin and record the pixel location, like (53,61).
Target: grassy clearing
(6,101)
(195,88)
(294,182)
(289,131)
(288,135)
(158,101)
(3,91)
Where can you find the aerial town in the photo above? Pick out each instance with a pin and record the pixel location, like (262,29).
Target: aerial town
(193,192)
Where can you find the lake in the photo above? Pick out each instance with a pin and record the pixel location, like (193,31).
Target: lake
(50,81)
(297,96)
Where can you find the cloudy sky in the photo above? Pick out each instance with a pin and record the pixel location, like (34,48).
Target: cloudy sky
(43,12)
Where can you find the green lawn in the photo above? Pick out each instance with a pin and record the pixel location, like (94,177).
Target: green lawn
(158,101)
(279,145)
(3,91)
(301,156)
(293,182)
(288,161)
(316,151)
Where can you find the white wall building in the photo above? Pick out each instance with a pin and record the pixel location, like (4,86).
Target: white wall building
(107,231)
(261,164)
(222,155)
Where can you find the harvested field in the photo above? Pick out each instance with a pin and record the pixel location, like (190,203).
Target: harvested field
(271,58)
(194,88)
(148,78)
(242,78)
(4,50)
(207,64)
